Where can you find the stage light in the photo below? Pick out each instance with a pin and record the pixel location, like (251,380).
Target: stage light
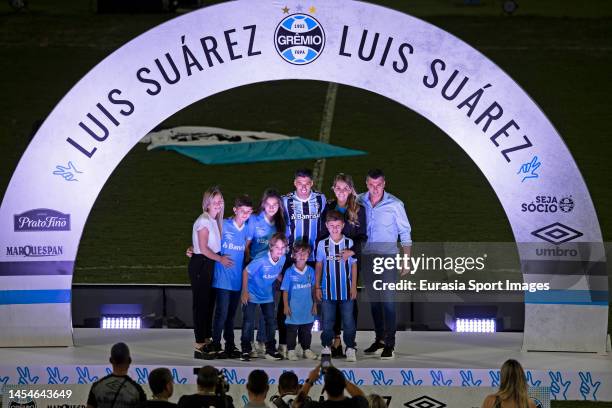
(121,322)
(475,325)
(316,326)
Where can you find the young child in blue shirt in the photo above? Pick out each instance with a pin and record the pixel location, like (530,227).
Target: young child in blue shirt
(336,284)
(258,290)
(227,280)
(298,300)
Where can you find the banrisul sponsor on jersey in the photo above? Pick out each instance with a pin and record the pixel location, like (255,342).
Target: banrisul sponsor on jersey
(34,250)
(41,219)
(299,39)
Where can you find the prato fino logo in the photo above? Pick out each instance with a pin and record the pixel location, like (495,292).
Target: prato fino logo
(299,39)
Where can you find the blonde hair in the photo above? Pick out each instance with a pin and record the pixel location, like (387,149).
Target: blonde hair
(376,401)
(513,385)
(352,206)
(209,195)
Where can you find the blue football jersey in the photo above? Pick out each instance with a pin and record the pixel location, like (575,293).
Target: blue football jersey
(304,218)
(298,286)
(336,275)
(262,274)
(233,243)
(260,232)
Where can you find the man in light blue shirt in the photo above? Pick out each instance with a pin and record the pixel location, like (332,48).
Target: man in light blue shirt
(386,220)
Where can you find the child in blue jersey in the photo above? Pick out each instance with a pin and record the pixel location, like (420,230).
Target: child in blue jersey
(336,284)
(258,290)
(298,299)
(262,226)
(227,280)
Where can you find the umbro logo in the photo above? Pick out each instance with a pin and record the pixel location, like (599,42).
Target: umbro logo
(424,402)
(557,233)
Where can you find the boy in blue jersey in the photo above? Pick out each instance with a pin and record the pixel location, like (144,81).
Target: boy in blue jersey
(298,299)
(336,284)
(258,289)
(227,280)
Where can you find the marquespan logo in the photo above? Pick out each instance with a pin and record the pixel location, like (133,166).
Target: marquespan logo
(299,39)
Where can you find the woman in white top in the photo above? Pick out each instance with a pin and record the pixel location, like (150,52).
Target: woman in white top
(206,238)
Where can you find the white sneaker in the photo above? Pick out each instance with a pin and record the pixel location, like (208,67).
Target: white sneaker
(253,353)
(298,349)
(282,349)
(326,350)
(309,354)
(351,354)
(292,355)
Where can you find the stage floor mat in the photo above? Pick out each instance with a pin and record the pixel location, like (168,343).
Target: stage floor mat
(422,358)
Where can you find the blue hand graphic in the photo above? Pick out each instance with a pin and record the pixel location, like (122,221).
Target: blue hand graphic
(350,375)
(587,387)
(467,379)
(25,376)
(55,377)
(177,378)
(4,380)
(109,371)
(495,378)
(438,379)
(531,382)
(143,375)
(379,378)
(84,376)
(232,377)
(557,385)
(408,378)
(245,399)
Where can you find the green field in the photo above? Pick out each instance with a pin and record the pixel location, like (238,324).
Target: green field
(141,223)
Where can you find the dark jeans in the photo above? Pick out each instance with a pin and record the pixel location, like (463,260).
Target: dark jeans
(328,310)
(338,324)
(382,304)
(225,311)
(248,325)
(303,332)
(201,271)
(261,329)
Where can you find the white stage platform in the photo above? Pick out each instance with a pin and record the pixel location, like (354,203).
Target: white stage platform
(422,358)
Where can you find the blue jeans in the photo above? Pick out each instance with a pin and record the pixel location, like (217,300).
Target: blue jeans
(349,330)
(225,311)
(248,326)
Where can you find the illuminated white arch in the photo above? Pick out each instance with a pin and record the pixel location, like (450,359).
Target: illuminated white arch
(233,44)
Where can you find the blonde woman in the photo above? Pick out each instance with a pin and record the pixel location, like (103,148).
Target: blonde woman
(512,389)
(355,228)
(206,239)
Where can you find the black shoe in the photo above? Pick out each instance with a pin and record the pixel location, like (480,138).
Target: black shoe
(211,348)
(387,353)
(245,357)
(232,352)
(376,348)
(336,352)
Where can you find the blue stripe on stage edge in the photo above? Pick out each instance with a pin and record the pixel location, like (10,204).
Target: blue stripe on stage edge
(568,297)
(30,297)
